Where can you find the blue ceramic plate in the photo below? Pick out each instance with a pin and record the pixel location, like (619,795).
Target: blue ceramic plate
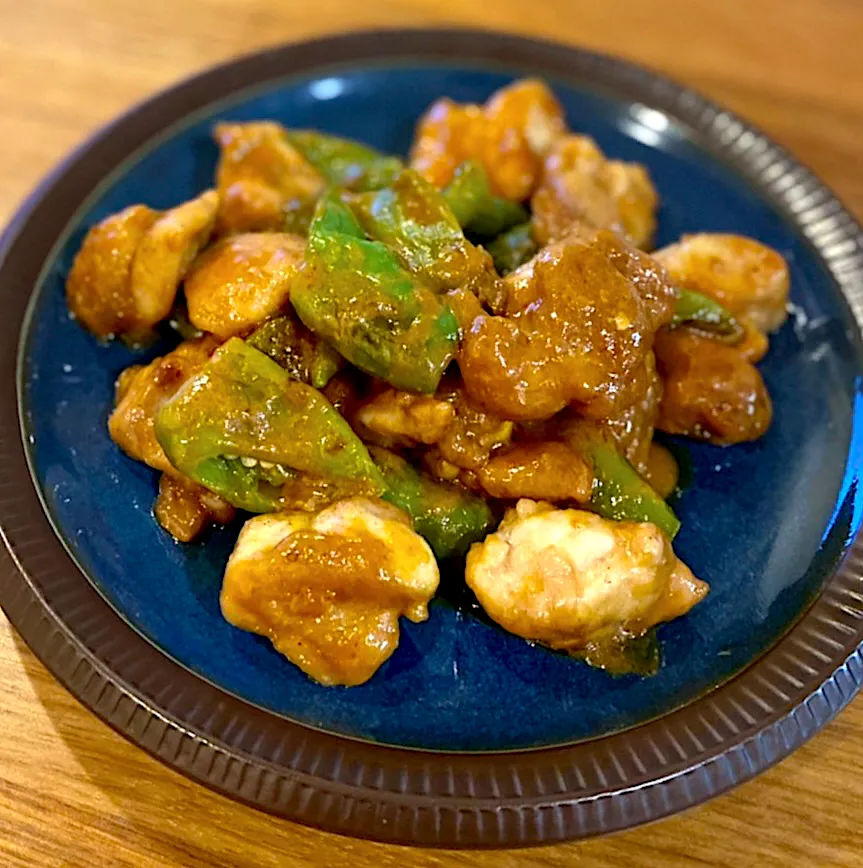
(766,524)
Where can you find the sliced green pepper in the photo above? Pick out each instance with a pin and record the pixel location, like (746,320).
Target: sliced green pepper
(355,294)
(447,516)
(621,493)
(412,218)
(343,162)
(626,655)
(704,313)
(302,354)
(513,248)
(476,208)
(242,426)
(619,490)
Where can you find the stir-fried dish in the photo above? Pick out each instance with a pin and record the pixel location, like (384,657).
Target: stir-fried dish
(394,363)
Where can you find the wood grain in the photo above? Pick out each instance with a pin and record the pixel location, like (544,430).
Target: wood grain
(72,792)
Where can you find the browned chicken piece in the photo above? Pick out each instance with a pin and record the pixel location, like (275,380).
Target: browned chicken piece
(403,418)
(508,136)
(579,185)
(186,509)
(748,278)
(328,588)
(578,582)
(661,470)
(754,344)
(474,433)
(541,471)
(632,428)
(140,393)
(445,470)
(585,319)
(260,177)
(241,281)
(97,289)
(710,391)
(165,254)
(126,275)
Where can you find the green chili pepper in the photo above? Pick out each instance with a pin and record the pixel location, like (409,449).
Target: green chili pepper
(621,493)
(447,516)
(343,162)
(512,248)
(355,294)
(242,426)
(477,210)
(702,312)
(619,490)
(413,219)
(626,655)
(302,354)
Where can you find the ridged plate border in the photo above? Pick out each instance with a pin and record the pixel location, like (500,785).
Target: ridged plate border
(380,792)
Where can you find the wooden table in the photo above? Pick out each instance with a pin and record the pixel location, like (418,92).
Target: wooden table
(74,793)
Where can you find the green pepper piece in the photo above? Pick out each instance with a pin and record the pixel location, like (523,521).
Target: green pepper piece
(413,219)
(622,494)
(476,208)
(302,354)
(704,313)
(343,162)
(626,655)
(512,248)
(355,294)
(242,408)
(446,516)
(619,491)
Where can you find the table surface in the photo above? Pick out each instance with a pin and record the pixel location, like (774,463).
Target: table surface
(72,792)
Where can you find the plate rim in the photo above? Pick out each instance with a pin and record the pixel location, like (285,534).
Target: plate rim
(402,795)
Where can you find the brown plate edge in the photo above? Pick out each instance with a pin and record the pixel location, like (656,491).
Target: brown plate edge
(363,789)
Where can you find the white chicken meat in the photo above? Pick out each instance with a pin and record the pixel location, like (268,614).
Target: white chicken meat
(328,588)
(242,280)
(572,580)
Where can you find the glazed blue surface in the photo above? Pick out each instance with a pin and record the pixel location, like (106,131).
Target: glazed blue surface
(763,523)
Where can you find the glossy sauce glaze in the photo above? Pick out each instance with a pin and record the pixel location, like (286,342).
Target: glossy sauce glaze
(364,336)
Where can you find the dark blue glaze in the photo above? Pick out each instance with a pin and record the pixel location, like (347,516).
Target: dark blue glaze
(763,523)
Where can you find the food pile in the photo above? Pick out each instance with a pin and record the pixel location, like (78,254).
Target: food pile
(394,363)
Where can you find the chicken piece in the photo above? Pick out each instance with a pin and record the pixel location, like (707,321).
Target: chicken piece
(260,177)
(754,344)
(578,329)
(186,509)
(637,200)
(746,277)
(579,184)
(97,289)
(632,428)
(126,275)
(241,281)
(165,254)
(474,434)
(661,470)
(543,471)
(710,391)
(578,582)
(404,419)
(141,391)
(508,137)
(327,589)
